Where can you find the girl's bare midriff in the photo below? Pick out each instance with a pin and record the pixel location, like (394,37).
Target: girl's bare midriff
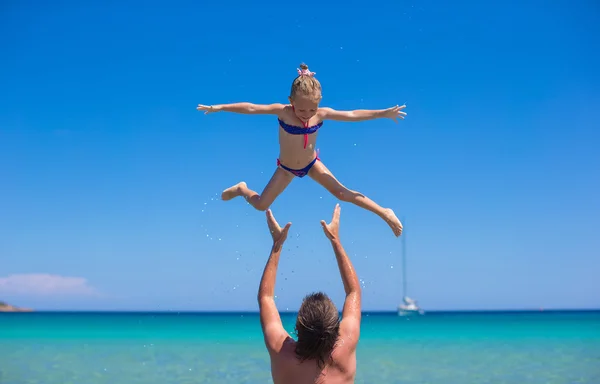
(292,152)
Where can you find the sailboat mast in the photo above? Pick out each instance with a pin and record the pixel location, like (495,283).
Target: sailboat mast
(404,293)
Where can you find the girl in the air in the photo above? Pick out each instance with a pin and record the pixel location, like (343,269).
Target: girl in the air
(299,122)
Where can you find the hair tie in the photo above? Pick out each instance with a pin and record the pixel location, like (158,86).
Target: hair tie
(305,72)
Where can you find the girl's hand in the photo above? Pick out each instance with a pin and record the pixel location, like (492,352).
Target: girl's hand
(395,113)
(207,108)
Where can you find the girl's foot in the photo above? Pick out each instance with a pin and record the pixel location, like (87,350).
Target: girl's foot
(234,191)
(391,219)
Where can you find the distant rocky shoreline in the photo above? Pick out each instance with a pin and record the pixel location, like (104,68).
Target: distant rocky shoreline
(4,307)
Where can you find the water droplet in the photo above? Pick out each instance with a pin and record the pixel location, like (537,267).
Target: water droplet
(391,266)
(219,239)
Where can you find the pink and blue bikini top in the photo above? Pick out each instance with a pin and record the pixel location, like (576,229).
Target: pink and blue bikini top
(295,130)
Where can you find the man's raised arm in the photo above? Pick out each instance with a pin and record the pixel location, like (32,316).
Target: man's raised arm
(351,314)
(270,321)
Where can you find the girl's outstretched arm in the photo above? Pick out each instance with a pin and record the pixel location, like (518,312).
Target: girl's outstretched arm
(362,114)
(245,108)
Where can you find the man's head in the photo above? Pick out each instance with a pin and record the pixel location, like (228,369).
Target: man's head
(317,328)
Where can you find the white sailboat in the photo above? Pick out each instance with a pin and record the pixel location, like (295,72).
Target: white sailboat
(409,307)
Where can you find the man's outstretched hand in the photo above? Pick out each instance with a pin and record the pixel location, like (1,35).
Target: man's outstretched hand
(332,229)
(279,235)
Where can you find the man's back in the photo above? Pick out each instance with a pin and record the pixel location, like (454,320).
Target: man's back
(287,368)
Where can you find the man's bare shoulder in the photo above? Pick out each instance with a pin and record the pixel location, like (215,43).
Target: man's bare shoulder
(286,368)
(286,354)
(344,358)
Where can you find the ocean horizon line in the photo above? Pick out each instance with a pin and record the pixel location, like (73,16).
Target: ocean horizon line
(255,312)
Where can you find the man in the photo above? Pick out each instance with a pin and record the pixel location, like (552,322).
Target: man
(326,348)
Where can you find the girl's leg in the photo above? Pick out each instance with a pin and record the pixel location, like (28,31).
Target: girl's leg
(280,180)
(323,176)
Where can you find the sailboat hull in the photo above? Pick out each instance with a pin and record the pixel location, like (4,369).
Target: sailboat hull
(410,312)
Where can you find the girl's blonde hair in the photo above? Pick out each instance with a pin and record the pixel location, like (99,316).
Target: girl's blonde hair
(306,84)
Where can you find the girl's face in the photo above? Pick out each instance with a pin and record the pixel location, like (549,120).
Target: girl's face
(305,107)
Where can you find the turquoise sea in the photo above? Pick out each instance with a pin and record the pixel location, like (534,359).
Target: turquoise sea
(153,348)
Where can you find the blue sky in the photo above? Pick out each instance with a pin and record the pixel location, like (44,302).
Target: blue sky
(110,178)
